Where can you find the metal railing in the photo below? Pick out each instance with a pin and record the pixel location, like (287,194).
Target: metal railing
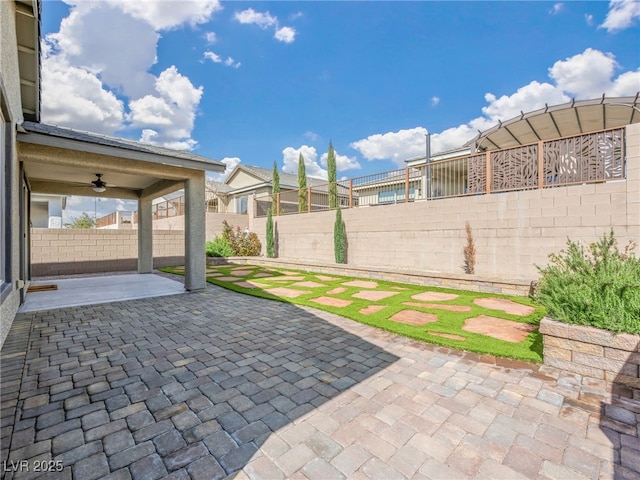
(588,158)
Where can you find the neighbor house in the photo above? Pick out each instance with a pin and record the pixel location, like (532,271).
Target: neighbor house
(44,159)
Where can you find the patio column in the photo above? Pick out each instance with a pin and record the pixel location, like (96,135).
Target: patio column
(194,233)
(145,236)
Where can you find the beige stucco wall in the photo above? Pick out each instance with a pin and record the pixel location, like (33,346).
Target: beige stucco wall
(12,113)
(66,251)
(513,231)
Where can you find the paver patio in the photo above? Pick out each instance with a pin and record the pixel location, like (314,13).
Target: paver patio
(217,384)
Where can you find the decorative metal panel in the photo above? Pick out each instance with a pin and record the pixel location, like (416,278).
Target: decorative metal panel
(514,168)
(477,174)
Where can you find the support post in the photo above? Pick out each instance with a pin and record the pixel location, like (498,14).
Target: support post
(145,235)
(195,258)
(351,193)
(406,185)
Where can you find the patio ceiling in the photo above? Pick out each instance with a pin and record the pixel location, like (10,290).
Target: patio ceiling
(64,161)
(568,119)
(28,37)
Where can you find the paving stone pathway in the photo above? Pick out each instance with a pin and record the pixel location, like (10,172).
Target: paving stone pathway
(219,384)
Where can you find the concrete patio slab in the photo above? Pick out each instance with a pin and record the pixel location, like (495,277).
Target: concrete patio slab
(73,292)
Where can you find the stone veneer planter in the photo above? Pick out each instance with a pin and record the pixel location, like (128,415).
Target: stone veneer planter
(592,352)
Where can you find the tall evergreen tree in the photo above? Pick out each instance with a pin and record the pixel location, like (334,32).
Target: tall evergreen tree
(275,187)
(333,186)
(302,185)
(339,238)
(271,244)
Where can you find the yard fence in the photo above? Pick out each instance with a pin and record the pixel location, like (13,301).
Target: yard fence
(581,159)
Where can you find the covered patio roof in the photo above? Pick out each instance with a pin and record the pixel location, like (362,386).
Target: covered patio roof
(64,161)
(564,120)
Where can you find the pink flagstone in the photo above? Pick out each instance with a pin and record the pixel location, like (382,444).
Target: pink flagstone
(325,278)
(361,284)
(506,330)
(371,309)
(434,296)
(507,306)
(412,317)
(439,306)
(332,302)
(308,284)
(286,292)
(373,295)
(337,290)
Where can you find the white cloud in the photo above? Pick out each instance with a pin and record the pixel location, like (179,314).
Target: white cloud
(588,18)
(76,98)
(311,135)
(343,162)
(230,62)
(435,101)
(210,37)
(215,58)
(622,14)
(285,34)
(88,82)
(290,158)
(230,163)
(557,8)
(250,16)
(394,146)
(264,21)
(167,117)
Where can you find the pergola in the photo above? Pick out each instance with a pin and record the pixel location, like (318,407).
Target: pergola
(64,161)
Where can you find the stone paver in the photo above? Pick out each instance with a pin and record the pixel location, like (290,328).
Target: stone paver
(499,328)
(332,301)
(434,296)
(412,317)
(218,384)
(450,308)
(287,292)
(507,306)
(373,295)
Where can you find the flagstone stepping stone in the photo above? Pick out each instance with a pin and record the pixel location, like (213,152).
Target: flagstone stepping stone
(324,278)
(286,292)
(228,279)
(213,274)
(371,309)
(361,284)
(290,273)
(241,273)
(308,284)
(450,336)
(332,302)
(507,306)
(249,284)
(337,290)
(285,278)
(413,317)
(506,330)
(439,306)
(263,274)
(373,295)
(434,296)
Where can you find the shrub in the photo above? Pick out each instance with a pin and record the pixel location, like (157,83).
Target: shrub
(598,286)
(219,247)
(243,244)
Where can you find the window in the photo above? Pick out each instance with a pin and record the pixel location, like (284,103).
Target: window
(241,204)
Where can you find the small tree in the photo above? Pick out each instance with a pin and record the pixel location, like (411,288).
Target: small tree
(271,247)
(339,238)
(83,221)
(333,186)
(302,185)
(275,187)
(469,251)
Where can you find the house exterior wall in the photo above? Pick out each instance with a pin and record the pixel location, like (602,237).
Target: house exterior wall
(513,231)
(214,223)
(10,104)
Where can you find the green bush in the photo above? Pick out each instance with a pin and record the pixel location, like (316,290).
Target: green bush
(598,286)
(219,247)
(271,244)
(243,244)
(339,238)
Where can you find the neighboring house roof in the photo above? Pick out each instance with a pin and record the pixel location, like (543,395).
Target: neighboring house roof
(564,120)
(264,177)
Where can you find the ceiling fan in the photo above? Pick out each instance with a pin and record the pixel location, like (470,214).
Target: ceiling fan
(98,184)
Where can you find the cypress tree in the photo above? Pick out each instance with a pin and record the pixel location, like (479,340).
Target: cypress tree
(275,187)
(302,185)
(339,238)
(333,186)
(271,250)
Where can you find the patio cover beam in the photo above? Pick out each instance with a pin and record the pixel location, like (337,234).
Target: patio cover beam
(56,188)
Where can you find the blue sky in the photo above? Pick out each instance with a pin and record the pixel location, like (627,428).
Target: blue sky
(258,82)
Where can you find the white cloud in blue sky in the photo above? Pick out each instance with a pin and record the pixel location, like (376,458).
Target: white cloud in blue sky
(622,14)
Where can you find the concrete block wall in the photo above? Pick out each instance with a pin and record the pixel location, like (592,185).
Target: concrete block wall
(66,251)
(513,231)
(214,223)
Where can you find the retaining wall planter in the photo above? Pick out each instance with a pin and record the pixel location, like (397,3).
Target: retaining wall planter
(592,352)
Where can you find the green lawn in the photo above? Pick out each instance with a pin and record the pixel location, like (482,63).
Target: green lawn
(331,288)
